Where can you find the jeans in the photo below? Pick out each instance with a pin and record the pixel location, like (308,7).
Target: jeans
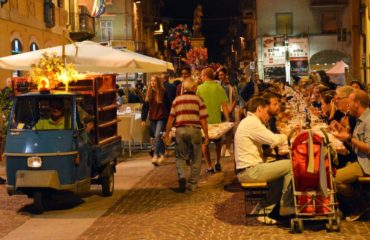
(278,174)
(156,127)
(188,137)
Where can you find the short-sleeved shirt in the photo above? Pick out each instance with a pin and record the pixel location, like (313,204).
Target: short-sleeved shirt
(213,96)
(49,124)
(362,133)
(188,109)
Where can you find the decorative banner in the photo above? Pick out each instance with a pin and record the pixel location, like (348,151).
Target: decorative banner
(273,51)
(98,8)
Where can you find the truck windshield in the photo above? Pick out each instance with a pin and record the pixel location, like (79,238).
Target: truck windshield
(42,113)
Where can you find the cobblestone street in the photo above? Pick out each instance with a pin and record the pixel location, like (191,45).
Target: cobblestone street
(152,209)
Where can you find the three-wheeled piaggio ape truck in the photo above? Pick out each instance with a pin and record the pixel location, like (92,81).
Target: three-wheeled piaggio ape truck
(41,160)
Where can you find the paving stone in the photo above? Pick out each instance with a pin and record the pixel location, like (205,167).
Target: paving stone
(153,210)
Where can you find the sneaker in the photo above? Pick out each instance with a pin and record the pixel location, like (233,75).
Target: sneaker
(210,171)
(263,214)
(161,159)
(155,160)
(266,220)
(182,185)
(354,217)
(218,167)
(227,153)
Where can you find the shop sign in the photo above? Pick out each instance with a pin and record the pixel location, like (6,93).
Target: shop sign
(298,47)
(273,51)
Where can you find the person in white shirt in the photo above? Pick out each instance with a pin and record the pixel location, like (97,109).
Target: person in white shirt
(250,165)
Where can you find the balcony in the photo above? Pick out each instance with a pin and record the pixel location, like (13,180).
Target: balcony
(82,25)
(131,45)
(328,4)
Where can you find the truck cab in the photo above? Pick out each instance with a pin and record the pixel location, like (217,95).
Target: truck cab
(63,141)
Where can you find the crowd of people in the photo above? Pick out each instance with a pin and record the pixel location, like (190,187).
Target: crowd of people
(257,108)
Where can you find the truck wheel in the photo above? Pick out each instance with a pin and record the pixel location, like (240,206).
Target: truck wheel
(107,183)
(38,203)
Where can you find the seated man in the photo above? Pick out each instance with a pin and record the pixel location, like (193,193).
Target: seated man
(358,104)
(56,119)
(250,165)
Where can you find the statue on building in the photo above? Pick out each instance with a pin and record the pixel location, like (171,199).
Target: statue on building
(197,23)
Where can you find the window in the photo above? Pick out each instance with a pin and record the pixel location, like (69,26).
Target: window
(106,27)
(36,112)
(34,47)
(16,49)
(329,22)
(16,46)
(284,23)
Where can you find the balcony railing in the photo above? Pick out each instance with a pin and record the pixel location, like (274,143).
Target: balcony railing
(82,26)
(128,44)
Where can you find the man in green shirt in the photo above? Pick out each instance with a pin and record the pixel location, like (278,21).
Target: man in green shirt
(215,98)
(56,119)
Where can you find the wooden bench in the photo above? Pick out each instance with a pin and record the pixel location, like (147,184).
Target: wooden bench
(364,180)
(254,192)
(365,186)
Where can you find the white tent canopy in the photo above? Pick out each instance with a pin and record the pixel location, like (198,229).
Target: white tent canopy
(337,73)
(91,57)
(338,68)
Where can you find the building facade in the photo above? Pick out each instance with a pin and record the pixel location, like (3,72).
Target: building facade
(319,24)
(27,25)
(128,24)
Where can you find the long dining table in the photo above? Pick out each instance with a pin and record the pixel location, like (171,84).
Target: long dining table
(297,121)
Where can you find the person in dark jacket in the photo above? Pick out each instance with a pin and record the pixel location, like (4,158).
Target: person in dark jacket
(170,91)
(251,88)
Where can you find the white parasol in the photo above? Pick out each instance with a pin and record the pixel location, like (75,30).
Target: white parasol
(90,57)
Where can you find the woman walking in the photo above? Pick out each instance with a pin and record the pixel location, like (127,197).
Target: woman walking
(155,106)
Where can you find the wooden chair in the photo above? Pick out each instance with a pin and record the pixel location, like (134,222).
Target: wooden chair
(125,129)
(365,186)
(254,192)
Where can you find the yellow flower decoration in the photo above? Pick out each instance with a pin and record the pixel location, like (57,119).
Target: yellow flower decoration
(53,68)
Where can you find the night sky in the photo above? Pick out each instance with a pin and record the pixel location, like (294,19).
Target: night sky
(215,20)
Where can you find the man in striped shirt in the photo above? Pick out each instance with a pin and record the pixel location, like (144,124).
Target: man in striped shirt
(189,114)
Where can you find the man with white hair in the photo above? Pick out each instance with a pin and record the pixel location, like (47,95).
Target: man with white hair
(358,105)
(189,114)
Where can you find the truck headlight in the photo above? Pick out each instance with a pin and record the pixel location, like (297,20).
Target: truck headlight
(34,162)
